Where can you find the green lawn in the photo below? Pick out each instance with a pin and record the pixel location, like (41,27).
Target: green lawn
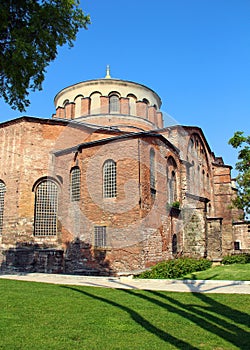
(43,316)
(240,272)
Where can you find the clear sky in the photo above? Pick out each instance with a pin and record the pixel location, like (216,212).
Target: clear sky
(194,53)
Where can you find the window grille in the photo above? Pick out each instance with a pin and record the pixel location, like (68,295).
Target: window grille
(46,206)
(114,105)
(2,193)
(109,179)
(75,184)
(100,237)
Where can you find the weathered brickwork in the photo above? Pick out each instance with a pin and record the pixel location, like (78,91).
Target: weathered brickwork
(170,196)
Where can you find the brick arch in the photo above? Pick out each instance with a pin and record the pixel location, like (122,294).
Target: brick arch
(114,93)
(46,178)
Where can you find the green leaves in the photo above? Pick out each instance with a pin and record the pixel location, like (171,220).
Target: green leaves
(30,33)
(242,201)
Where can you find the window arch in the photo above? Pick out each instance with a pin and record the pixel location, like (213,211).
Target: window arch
(152,172)
(114,104)
(2,194)
(46,207)
(109,179)
(75,184)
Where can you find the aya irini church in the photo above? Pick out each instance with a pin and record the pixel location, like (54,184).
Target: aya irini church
(104,188)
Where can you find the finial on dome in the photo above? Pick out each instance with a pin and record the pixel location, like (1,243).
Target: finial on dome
(108,72)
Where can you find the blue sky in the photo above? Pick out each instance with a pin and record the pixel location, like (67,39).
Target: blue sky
(194,53)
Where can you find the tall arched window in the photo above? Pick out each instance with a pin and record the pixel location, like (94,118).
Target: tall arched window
(172,187)
(109,179)
(152,172)
(46,207)
(2,193)
(75,183)
(114,104)
(171,180)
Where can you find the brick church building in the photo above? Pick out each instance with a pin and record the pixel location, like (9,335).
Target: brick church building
(104,188)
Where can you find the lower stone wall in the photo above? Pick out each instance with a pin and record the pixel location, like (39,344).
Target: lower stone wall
(214,238)
(195,236)
(32,259)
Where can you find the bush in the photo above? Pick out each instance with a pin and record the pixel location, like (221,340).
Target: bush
(236,259)
(176,268)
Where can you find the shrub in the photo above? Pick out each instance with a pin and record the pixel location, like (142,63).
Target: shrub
(236,259)
(176,268)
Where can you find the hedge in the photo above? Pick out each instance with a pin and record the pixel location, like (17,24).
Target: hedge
(176,268)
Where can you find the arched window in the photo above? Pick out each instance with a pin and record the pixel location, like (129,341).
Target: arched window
(208,185)
(75,183)
(114,104)
(152,172)
(46,206)
(172,187)
(171,180)
(197,180)
(65,103)
(109,179)
(132,103)
(2,193)
(203,179)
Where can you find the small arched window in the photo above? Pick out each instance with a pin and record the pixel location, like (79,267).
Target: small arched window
(109,179)
(2,193)
(114,104)
(46,207)
(152,172)
(75,183)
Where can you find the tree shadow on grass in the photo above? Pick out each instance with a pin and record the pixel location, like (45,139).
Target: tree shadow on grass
(213,317)
(143,322)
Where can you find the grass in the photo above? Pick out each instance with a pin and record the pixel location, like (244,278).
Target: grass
(235,272)
(45,316)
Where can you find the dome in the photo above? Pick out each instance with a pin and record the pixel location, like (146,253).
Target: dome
(110,102)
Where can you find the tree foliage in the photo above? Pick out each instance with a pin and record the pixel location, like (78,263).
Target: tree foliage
(30,33)
(242,143)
